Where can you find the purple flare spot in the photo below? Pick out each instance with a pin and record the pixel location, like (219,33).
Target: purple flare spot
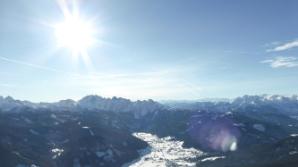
(216,134)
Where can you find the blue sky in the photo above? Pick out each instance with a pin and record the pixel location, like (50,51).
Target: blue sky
(169,49)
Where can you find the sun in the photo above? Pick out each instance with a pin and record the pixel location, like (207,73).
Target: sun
(75,34)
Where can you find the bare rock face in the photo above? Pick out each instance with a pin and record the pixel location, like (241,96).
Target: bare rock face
(140,108)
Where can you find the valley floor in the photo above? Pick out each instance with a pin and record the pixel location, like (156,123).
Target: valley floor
(164,152)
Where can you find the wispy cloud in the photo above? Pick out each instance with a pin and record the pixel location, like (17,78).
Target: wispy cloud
(28,64)
(282,62)
(159,84)
(7,85)
(284,46)
(156,84)
(92,75)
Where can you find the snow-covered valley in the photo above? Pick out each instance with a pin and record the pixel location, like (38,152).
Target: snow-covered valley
(164,152)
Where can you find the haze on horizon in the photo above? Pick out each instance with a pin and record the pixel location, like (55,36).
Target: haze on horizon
(53,50)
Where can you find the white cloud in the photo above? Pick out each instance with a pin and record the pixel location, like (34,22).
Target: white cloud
(282,62)
(285,46)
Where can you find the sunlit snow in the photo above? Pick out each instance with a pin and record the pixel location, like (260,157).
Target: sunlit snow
(164,152)
(212,158)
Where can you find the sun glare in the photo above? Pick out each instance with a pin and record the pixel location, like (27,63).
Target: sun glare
(75,34)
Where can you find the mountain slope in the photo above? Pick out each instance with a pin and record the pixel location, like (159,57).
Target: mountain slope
(96,131)
(49,139)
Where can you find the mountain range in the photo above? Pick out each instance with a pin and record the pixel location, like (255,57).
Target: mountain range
(91,102)
(118,104)
(95,131)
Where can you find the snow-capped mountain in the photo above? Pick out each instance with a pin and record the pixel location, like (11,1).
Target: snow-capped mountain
(92,102)
(96,131)
(277,102)
(251,103)
(264,99)
(65,105)
(8,104)
(118,104)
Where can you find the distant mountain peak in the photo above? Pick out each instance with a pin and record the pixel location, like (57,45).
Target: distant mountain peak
(90,102)
(119,104)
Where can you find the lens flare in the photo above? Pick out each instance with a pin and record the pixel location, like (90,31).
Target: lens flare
(75,34)
(218,134)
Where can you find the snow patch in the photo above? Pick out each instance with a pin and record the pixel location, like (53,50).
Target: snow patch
(33,132)
(212,158)
(293,152)
(259,127)
(57,152)
(100,154)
